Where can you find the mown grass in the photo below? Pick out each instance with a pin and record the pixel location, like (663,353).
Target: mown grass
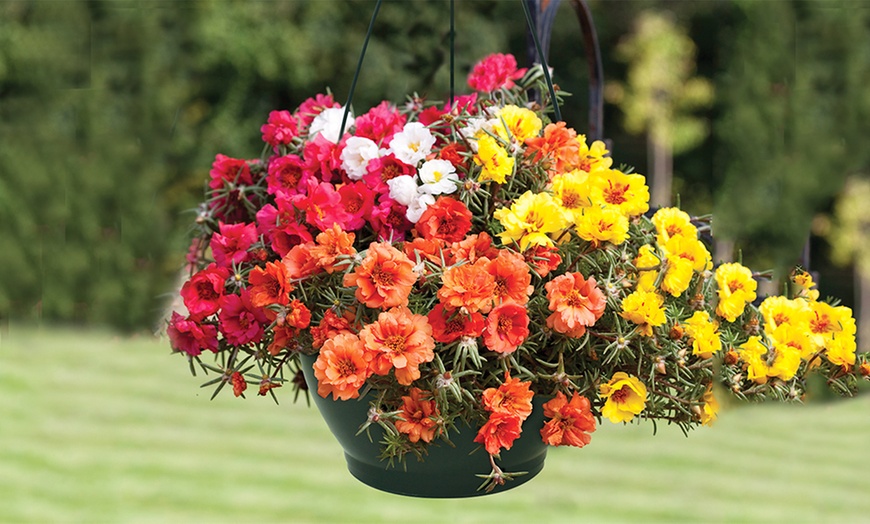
(100,428)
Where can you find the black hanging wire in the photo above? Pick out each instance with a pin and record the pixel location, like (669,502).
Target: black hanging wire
(358,68)
(542,60)
(452,53)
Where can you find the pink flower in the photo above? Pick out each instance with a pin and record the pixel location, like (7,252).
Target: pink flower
(280,227)
(191,337)
(494,72)
(233,170)
(323,207)
(389,220)
(241,322)
(322,159)
(281,128)
(230,246)
(358,201)
(380,123)
(383,169)
(286,174)
(203,292)
(312,107)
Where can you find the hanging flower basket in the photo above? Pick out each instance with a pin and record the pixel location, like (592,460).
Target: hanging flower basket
(463,285)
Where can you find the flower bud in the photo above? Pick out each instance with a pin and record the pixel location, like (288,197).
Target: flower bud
(864,369)
(731,357)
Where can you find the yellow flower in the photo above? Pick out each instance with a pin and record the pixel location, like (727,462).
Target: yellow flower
(593,158)
(530,219)
(628,193)
(703,332)
(840,350)
(779,310)
(497,163)
(805,281)
(602,224)
(762,362)
(794,336)
(685,255)
(826,321)
(736,288)
(625,397)
(646,258)
(572,192)
(644,308)
(672,222)
(521,124)
(710,409)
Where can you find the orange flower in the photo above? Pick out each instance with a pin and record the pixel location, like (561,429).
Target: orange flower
(239,384)
(451,325)
(469,286)
(330,326)
(473,247)
(297,315)
(559,145)
(271,285)
(283,337)
(570,422)
(512,278)
(432,250)
(384,278)
(341,367)
(543,259)
(576,303)
(419,417)
(332,244)
(499,432)
(507,326)
(513,397)
(447,219)
(400,340)
(299,262)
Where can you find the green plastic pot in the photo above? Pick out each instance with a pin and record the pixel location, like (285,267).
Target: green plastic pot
(445,472)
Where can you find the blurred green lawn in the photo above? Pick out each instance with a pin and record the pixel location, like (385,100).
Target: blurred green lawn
(99,428)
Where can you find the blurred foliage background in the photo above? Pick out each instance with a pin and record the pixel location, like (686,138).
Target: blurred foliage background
(111,113)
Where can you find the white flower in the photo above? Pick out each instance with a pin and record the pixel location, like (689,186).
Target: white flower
(356,155)
(418,206)
(328,123)
(475,128)
(438,177)
(403,189)
(412,144)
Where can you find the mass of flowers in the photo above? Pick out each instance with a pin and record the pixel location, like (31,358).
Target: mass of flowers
(450,263)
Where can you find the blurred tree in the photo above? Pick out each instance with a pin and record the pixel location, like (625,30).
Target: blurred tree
(660,95)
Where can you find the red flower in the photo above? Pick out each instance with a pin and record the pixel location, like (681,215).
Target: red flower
(507,326)
(571,422)
(202,293)
(447,219)
(451,325)
(389,221)
(279,226)
(229,170)
(241,322)
(496,71)
(282,337)
(499,432)
(239,384)
(281,128)
(270,285)
(453,153)
(231,245)
(191,337)
(358,201)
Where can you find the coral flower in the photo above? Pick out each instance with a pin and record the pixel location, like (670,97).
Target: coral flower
(283,337)
(451,325)
(468,286)
(270,285)
(512,397)
(473,247)
(341,368)
(576,303)
(736,288)
(570,423)
(543,259)
(191,337)
(507,326)
(299,261)
(531,219)
(625,397)
(203,292)
(331,325)
(400,340)
(644,308)
(499,432)
(384,278)
(497,163)
(512,278)
(558,149)
(419,417)
(332,244)
(447,219)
